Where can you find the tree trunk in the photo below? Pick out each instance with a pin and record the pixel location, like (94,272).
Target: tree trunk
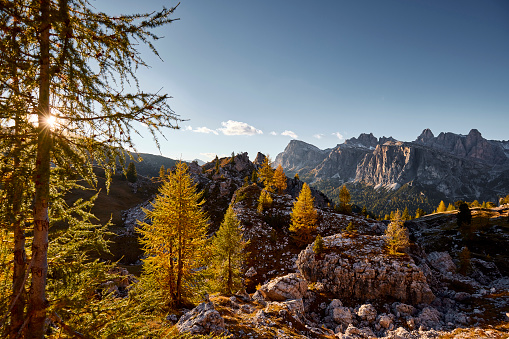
(37,301)
(18,275)
(17,190)
(230,279)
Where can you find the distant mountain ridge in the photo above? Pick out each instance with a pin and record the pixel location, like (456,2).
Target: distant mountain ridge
(453,166)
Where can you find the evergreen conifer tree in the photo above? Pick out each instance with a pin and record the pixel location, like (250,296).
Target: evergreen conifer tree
(396,235)
(227,255)
(304,216)
(175,240)
(280,179)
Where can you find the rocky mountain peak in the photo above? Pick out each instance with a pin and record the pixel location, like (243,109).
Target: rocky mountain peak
(425,136)
(260,157)
(364,139)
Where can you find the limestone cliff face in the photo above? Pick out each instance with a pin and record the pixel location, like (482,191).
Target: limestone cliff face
(299,155)
(472,146)
(357,268)
(394,164)
(459,166)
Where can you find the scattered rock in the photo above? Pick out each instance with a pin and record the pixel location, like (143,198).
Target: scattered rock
(290,286)
(429,318)
(403,309)
(251,272)
(367,312)
(203,319)
(442,262)
(385,321)
(342,315)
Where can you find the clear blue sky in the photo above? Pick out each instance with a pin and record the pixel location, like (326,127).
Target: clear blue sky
(252,75)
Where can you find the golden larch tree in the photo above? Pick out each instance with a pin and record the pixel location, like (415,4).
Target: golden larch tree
(396,235)
(266,174)
(304,216)
(280,179)
(227,254)
(344,200)
(441,207)
(175,239)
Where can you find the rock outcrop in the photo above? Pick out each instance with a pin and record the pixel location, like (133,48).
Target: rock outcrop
(203,319)
(357,267)
(291,286)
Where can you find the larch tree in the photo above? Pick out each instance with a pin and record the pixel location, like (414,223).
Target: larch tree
(304,216)
(344,200)
(441,207)
(227,255)
(405,216)
(266,174)
(396,235)
(131,174)
(280,179)
(71,69)
(264,201)
(175,241)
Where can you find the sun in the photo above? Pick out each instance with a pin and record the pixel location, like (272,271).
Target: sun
(51,121)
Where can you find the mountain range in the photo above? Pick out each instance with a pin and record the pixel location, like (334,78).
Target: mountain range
(385,174)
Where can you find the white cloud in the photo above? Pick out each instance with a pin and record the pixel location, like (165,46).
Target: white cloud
(290,134)
(318,136)
(187,128)
(209,155)
(338,135)
(231,127)
(205,130)
(273,133)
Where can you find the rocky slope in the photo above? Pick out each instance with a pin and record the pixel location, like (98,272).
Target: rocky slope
(453,166)
(354,289)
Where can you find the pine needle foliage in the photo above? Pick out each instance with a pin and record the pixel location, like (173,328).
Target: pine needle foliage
(304,216)
(280,179)
(227,255)
(396,235)
(175,239)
